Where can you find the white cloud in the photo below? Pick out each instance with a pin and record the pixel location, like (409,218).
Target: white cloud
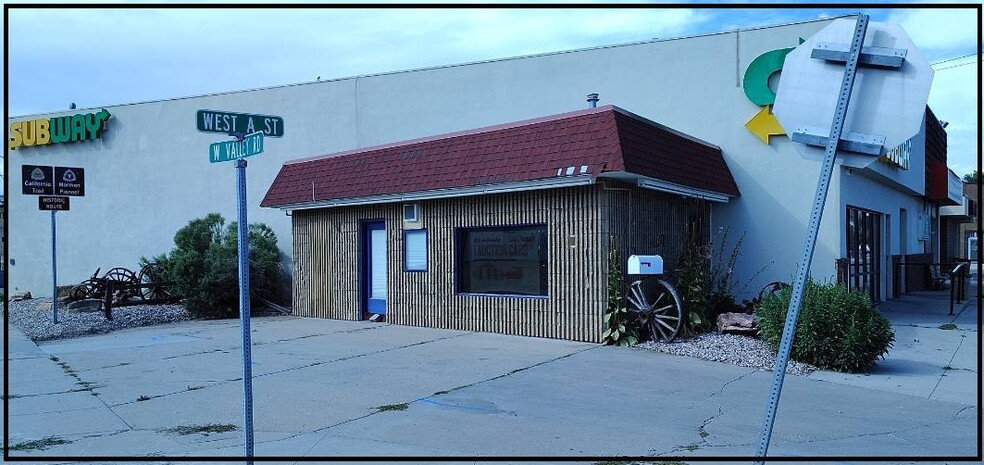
(953,99)
(935,30)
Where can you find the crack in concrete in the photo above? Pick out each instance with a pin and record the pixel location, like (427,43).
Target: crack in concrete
(739,378)
(351,357)
(285,370)
(956,415)
(943,374)
(893,432)
(518,370)
(172,357)
(325,429)
(27,396)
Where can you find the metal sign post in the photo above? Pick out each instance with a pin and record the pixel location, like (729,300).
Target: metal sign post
(54,273)
(244,146)
(244,308)
(820,199)
(52,184)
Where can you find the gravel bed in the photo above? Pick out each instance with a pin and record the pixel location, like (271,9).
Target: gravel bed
(738,350)
(33,317)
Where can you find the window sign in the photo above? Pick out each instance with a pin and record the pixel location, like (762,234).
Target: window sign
(505,260)
(415,250)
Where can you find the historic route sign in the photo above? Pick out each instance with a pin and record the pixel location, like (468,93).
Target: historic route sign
(37,180)
(244,123)
(251,145)
(69,181)
(46,202)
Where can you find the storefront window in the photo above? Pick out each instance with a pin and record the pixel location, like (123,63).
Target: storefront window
(510,260)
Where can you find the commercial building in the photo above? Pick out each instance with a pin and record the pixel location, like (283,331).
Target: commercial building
(147,174)
(505,229)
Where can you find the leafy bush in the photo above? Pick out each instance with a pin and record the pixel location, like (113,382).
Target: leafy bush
(837,329)
(706,287)
(205,269)
(622,325)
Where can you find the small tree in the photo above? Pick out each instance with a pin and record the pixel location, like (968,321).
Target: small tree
(972,177)
(204,265)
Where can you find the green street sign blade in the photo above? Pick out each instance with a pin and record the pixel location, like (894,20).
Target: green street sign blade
(226,122)
(251,145)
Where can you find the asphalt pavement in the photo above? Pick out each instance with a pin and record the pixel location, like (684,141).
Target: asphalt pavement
(327,388)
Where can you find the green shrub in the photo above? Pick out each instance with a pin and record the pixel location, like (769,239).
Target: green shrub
(706,286)
(621,325)
(205,269)
(837,329)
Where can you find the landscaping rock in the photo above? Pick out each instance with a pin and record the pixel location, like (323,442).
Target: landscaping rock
(86,305)
(737,323)
(21,296)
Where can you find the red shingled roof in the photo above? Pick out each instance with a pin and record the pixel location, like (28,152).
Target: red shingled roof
(605,139)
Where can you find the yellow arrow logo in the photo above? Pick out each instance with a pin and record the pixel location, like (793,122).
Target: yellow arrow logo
(765,124)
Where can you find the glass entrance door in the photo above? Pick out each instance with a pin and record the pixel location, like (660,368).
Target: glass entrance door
(864,251)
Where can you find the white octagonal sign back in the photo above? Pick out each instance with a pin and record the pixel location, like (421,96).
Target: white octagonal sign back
(887,102)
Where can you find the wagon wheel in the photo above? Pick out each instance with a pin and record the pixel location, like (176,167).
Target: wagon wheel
(659,307)
(771,289)
(122,275)
(88,289)
(152,274)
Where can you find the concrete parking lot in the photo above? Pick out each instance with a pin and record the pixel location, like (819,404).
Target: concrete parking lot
(339,388)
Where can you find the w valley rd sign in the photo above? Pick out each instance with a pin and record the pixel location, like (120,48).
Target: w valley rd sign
(251,145)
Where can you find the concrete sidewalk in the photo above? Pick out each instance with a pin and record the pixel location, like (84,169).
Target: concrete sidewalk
(934,356)
(319,386)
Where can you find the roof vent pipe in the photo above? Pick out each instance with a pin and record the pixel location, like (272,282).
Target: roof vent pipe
(592,100)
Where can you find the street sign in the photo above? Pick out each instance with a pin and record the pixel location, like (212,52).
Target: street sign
(46,202)
(227,122)
(69,181)
(251,145)
(37,180)
(890,92)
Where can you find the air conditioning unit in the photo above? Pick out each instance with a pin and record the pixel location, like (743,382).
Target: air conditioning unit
(411,212)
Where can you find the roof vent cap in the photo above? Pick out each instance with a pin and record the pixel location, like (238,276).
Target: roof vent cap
(592,100)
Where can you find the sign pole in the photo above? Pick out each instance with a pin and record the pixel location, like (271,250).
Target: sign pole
(54,273)
(820,199)
(244,309)
(245,145)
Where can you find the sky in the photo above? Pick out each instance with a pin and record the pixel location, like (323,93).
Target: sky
(108,54)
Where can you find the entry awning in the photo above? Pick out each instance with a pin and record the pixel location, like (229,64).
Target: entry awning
(561,150)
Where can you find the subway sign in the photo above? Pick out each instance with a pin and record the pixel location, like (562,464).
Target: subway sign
(57,130)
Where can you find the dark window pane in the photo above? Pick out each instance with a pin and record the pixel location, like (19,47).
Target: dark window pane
(504,260)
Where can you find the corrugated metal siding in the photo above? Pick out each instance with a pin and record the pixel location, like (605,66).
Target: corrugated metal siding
(580,222)
(335,264)
(301,286)
(647,222)
(576,293)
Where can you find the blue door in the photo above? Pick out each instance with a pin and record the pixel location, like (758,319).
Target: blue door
(373,268)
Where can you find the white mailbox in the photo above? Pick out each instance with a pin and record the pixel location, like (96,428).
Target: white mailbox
(645,264)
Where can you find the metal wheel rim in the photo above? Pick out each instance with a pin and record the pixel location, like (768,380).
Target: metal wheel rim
(85,290)
(666,318)
(123,276)
(151,274)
